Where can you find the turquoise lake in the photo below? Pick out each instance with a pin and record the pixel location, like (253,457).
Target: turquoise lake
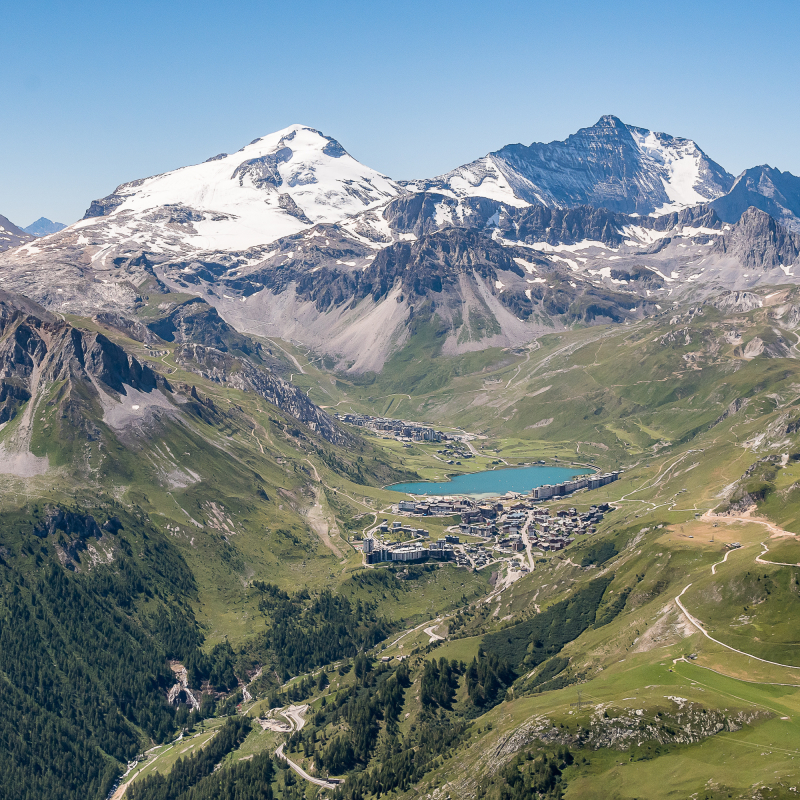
(493,482)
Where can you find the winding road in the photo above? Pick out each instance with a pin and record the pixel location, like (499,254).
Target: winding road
(294,714)
(302,773)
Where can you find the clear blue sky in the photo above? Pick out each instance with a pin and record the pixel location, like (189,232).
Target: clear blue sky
(98,93)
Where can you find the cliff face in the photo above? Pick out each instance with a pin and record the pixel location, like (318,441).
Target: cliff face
(759,242)
(38,350)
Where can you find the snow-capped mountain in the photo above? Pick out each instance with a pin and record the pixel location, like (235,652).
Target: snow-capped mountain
(275,186)
(609,165)
(292,237)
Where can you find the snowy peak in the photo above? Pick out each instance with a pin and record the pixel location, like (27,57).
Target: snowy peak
(689,177)
(608,165)
(274,186)
(481,178)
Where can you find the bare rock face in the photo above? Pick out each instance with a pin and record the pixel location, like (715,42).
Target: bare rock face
(759,242)
(131,328)
(38,349)
(196,321)
(737,302)
(770,190)
(241,373)
(608,165)
(70,522)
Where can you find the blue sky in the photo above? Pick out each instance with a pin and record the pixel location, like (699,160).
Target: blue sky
(98,93)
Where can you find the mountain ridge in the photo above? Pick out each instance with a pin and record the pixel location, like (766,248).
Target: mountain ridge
(10,235)
(610,164)
(291,236)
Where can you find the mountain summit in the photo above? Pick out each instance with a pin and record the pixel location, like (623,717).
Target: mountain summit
(608,165)
(274,186)
(44,227)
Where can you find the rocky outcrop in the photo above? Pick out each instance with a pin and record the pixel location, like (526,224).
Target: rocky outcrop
(196,321)
(38,349)
(563,226)
(677,722)
(70,522)
(72,531)
(242,374)
(737,302)
(133,329)
(770,190)
(760,243)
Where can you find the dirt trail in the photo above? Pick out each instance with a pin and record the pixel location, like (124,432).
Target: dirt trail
(302,773)
(292,358)
(137,768)
(761,560)
(295,716)
(529,550)
(776,531)
(705,633)
(747,517)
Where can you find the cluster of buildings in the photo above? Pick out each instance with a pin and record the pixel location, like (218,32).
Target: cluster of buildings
(441,550)
(549,533)
(398,527)
(479,556)
(507,527)
(398,428)
(443,507)
(544,531)
(568,487)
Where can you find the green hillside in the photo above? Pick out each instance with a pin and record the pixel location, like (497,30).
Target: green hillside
(211,535)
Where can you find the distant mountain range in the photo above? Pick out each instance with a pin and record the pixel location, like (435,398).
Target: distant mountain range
(44,227)
(293,237)
(13,236)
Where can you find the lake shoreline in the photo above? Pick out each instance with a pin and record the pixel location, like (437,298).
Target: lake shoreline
(492,482)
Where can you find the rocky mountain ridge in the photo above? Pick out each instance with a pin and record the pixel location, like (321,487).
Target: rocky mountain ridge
(73,379)
(291,237)
(610,164)
(770,190)
(11,235)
